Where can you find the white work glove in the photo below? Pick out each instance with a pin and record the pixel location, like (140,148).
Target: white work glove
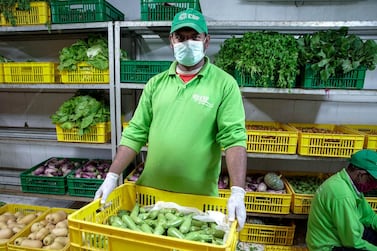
(236,206)
(108,185)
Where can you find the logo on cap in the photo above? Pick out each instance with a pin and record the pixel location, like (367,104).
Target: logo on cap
(184,16)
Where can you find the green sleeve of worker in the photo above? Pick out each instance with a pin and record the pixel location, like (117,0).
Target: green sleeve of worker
(336,216)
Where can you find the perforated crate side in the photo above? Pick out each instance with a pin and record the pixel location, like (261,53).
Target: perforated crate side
(139,71)
(268,234)
(160,10)
(351,80)
(100,133)
(84,11)
(39,13)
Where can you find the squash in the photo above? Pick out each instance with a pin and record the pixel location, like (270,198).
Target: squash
(273,181)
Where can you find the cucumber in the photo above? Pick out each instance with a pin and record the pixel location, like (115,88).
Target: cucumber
(186,224)
(174,232)
(129,222)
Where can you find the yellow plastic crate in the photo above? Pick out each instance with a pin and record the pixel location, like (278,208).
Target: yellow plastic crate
(284,248)
(264,202)
(39,13)
(86,223)
(100,133)
(370,133)
(340,142)
(268,234)
(22,208)
(85,74)
(29,72)
(301,202)
(372,202)
(26,231)
(1,73)
(270,137)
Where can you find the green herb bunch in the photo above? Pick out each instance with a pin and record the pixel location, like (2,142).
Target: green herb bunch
(81,112)
(270,58)
(332,52)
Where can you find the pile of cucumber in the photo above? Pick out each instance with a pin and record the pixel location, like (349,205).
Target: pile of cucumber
(167,222)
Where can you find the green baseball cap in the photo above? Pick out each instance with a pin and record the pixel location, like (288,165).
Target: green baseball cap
(189,18)
(365,159)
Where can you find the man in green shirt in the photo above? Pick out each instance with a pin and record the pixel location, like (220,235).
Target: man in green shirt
(187,114)
(340,217)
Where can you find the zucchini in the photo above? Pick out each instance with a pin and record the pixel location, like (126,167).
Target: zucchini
(174,232)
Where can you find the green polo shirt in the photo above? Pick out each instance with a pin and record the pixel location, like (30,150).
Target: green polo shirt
(338,214)
(186,125)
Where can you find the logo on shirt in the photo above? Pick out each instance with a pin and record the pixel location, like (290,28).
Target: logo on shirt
(202,100)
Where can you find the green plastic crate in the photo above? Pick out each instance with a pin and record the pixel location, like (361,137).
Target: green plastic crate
(245,80)
(86,187)
(44,184)
(351,80)
(83,11)
(137,71)
(161,10)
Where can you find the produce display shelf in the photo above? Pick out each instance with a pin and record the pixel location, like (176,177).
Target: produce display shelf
(89,220)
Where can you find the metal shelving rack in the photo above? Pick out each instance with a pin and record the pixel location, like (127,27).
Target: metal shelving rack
(225,29)
(66,31)
(47,137)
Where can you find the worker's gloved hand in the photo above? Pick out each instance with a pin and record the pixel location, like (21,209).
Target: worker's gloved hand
(108,185)
(236,206)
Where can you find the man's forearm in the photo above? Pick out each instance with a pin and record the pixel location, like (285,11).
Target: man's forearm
(123,158)
(236,161)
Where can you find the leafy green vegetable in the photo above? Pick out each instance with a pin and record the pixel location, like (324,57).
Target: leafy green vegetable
(93,50)
(335,51)
(81,112)
(270,58)
(4,59)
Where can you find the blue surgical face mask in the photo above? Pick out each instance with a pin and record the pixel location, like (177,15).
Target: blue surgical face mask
(189,52)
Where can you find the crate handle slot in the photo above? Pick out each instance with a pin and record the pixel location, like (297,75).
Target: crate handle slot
(76,6)
(269,137)
(26,68)
(332,141)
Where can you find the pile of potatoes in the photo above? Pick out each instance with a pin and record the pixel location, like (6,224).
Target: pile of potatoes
(49,233)
(12,223)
